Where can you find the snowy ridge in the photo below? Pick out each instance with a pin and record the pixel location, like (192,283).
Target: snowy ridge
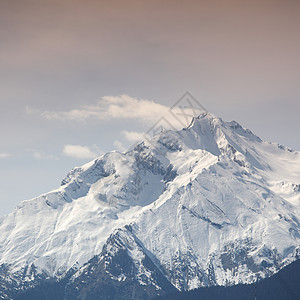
(211,204)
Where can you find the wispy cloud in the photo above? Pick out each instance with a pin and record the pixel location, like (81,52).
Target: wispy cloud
(31,111)
(81,152)
(133,136)
(41,155)
(4,155)
(44,156)
(119,146)
(117,107)
(122,107)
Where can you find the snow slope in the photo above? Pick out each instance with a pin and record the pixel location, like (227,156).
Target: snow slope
(211,204)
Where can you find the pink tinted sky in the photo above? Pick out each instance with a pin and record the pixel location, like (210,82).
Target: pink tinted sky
(239,58)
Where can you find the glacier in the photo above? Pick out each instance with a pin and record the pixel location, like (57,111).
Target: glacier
(211,204)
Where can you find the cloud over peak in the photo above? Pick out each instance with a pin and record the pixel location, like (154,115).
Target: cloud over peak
(4,155)
(81,152)
(117,107)
(125,107)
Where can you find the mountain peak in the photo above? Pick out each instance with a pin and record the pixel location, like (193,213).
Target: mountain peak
(210,204)
(208,120)
(205,117)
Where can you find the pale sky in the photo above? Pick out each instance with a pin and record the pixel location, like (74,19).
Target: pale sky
(66,66)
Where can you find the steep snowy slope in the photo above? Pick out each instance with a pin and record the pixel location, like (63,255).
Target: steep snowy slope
(211,204)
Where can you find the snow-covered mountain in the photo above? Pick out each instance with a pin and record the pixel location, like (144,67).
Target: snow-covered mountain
(211,204)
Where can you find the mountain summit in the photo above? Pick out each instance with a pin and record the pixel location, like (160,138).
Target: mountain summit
(211,204)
